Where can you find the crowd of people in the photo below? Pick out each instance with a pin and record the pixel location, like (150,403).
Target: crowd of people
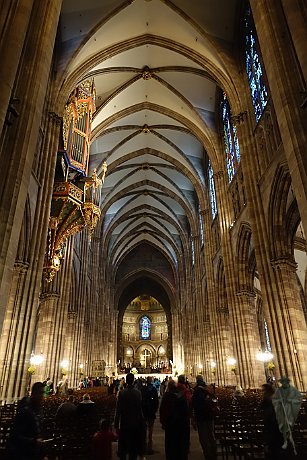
(139,402)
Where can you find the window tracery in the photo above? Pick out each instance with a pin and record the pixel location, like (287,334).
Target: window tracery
(193,252)
(254,71)
(212,191)
(145,328)
(267,338)
(232,148)
(201,225)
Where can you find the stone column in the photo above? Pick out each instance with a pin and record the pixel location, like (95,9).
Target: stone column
(20,139)
(276,285)
(295,12)
(290,324)
(25,300)
(230,269)
(70,326)
(253,374)
(15,16)
(216,352)
(107,304)
(178,358)
(96,300)
(12,334)
(287,89)
(197,307)
(47,335)
(223,346)
(50,335)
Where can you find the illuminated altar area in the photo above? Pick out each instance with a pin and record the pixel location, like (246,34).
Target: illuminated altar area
(145,339)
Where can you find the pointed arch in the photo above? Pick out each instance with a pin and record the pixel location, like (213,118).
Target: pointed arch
(23,251)
(277,214)
(243,257)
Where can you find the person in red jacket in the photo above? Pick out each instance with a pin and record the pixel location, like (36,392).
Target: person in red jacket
(102,441)
(183,386)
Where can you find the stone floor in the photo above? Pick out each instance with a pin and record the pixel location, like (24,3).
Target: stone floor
(158,446)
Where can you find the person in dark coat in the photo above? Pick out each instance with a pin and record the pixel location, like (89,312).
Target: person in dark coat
(273,438)
(129,422)
(203,418)
(150,404)
(66,415)
(175,420)
(87,414)
(26,442)
(183,386)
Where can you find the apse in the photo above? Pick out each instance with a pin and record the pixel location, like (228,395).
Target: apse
(144,343)
(144,324)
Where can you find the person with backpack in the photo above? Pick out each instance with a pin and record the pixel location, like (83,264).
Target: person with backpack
(204,408)
(150,404)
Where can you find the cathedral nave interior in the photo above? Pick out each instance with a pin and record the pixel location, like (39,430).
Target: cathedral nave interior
(153,192)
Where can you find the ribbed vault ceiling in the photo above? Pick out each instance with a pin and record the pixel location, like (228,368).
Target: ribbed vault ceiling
(156,66)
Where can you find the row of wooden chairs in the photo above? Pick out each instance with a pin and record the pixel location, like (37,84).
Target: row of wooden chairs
(61,444)
(239,431)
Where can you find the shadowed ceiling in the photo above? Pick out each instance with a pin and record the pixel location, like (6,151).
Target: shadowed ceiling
(157,66)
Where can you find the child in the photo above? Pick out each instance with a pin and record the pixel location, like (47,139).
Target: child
(102,441)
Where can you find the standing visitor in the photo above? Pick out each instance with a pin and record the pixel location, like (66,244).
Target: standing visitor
(65,416)
(238,394)
(48,390)
(287,401)
(163,386)
(122,385)
(273,439)
(102,441)
(175,420)
(111,386)
(26,442)
(150,404)
(185,389)
(129,422)
(87,414)
(203,418)
(157,384)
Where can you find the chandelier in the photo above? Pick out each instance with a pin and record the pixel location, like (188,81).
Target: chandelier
(76,198)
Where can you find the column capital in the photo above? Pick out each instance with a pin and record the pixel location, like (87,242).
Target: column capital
(245,293)
(218,175)
(55,117)
(21,267)
(284,262)
(222,310)
(49,295)
(204,212)
(71,314)
(240,117)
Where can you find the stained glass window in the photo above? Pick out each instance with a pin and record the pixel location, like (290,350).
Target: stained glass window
(212,191)
(253,68)
(201,225)
(267,338)
(232,148)
(193,251)
(145,326)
